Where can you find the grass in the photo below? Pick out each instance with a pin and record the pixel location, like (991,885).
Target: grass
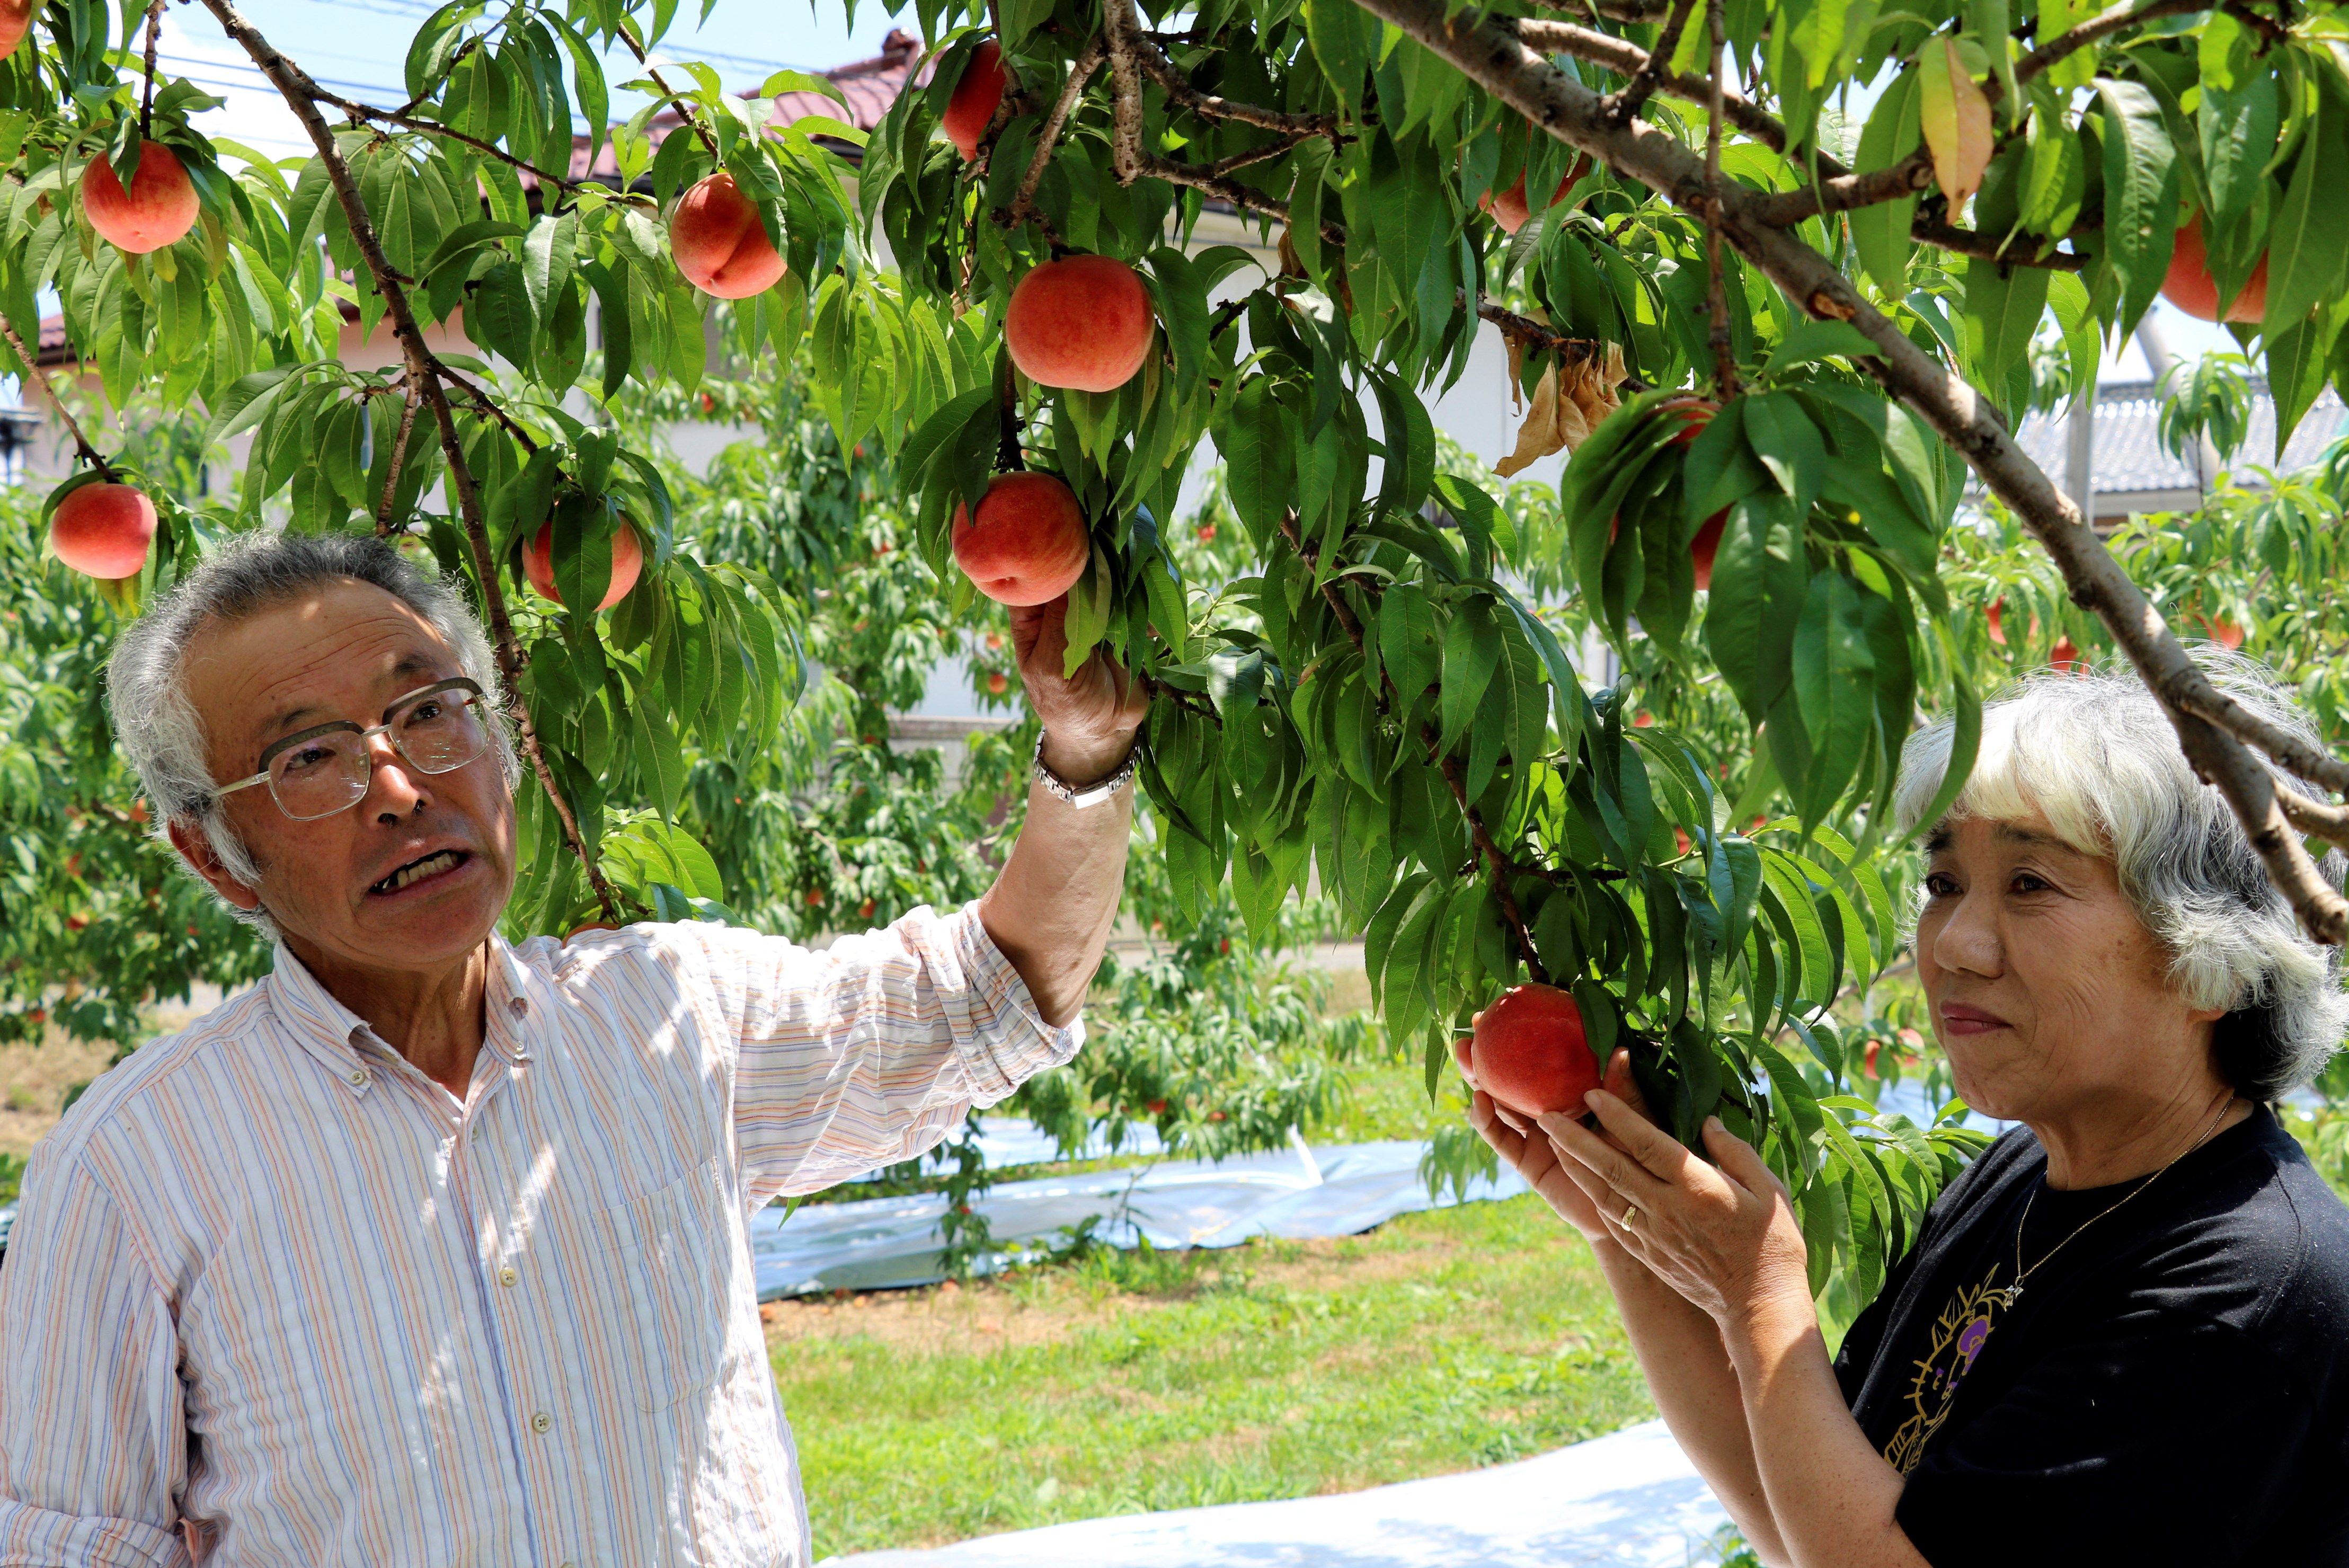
(1128,1382)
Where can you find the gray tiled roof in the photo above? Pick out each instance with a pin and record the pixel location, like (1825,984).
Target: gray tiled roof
(2131,460)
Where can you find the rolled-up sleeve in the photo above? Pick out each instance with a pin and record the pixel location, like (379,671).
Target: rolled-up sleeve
(93,1441)
(871,1050)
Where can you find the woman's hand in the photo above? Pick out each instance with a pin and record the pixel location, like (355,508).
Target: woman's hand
(1724,1237)
(1527,1151)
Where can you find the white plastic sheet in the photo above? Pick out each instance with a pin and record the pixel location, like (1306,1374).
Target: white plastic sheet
(880,1243)
(1629,1500)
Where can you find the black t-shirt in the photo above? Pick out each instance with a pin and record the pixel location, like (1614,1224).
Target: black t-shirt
(2172,1387)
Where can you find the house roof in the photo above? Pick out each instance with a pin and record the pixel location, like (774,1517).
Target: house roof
(869,86)
(2131,461)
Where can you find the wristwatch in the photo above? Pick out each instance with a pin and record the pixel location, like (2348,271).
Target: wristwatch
(1083,796)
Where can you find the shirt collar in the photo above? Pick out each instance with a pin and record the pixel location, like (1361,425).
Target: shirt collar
(331,1033)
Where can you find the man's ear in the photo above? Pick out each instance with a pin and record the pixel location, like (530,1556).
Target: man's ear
(196,847)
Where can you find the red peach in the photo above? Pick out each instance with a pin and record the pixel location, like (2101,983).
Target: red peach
(104,530)
(159,206)
(997,682)
(974,100)
(2189,287)
(1082,322)
(628,562)
(2067,658)
(1029,545)
(15,21)
(719,244)
(1530,1052)
(1706,545)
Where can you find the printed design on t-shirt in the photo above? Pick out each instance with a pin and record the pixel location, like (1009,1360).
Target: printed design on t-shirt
(1958,1335)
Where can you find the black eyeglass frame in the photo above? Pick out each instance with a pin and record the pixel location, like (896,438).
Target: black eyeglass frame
(391,715)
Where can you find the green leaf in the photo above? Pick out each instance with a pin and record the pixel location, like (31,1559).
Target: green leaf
(1835,689)
(2308,248)
(1760,575)
(1881,233)
(2140,195)
(1472,652)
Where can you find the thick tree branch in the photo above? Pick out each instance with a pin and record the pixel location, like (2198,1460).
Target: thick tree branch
(2208,723)
(425,371)
(1626,58)
(2316,818)
(1845,191)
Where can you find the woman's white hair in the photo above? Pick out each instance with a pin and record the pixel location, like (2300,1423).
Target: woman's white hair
(2095,754)
(158,727)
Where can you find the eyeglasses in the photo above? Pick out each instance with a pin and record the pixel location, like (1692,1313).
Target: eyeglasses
(326,768)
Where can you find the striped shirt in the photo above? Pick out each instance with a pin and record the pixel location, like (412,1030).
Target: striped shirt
(272,1284)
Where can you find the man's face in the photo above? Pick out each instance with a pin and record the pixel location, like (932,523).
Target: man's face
(346,651)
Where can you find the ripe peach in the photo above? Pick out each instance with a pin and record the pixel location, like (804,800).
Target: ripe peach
(15,21)
(1530,1052)
(159,206)
(1706,545)
(974,97)
(2191,287)
(1510,209)
(628,562)
(103,530)
(2067,658)
(1994,616)
(1029,545)
(718,243)
(998,683)
(1082,322)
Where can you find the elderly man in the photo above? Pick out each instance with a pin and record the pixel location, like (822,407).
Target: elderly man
(433,1250)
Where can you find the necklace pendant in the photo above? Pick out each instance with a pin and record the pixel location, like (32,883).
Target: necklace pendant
(2008,1296)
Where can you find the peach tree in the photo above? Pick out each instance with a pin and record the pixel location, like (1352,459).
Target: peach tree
(1774,346)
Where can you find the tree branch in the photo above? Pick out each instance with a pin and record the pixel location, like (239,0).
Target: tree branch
(425,371)
(398,458)
(1621,106)
(685,110)
(407,121)
(1024,202)
(2207,721)
(2095,30)
(2023,249)
(1134,162)
(147,92)
(1504,866)
(33,367)
(1209,106)
(1716,290)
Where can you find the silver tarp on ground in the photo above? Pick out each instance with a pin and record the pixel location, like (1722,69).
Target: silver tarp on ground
(880,1243)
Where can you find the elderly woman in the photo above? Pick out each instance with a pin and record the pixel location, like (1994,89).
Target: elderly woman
(2122,1335)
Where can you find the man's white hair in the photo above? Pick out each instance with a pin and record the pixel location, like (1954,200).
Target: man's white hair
(158,727)
(2097,757)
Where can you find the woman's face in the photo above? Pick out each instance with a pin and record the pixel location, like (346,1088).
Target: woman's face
(2049,994)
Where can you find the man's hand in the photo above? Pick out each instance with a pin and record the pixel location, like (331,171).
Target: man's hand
(1090,717)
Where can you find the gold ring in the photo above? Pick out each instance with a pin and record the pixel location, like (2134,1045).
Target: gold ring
(1630,1213)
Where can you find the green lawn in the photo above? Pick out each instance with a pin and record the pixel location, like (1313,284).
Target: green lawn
(1126,1383)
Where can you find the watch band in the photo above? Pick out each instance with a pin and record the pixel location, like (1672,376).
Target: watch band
(1083,796)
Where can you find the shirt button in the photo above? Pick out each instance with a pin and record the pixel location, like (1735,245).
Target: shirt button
(542,1422)
(518,1007)
(508,1277)
(359,1078)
